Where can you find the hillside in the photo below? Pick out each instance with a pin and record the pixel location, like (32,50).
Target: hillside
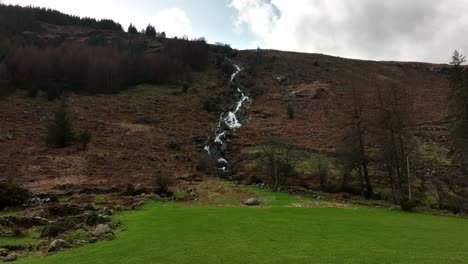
(136,141)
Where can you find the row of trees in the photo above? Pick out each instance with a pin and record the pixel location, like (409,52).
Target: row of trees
(17,19)
(375,128)
(95,69)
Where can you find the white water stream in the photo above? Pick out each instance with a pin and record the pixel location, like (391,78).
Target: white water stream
(227,122)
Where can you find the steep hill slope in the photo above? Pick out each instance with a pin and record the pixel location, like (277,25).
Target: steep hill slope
(313,83)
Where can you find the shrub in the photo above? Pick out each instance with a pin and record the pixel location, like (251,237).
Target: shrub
(163,183)
(12,195)
(323,171)
(84,138)
(213,105)
(227,67)
(206,163)
(185,87)
(60,132)
(408,205)
(290,111)
(316,63)
(52,230)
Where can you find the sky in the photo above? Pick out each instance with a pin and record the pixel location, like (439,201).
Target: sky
(407,30)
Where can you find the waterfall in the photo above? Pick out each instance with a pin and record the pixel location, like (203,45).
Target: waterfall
(228,123)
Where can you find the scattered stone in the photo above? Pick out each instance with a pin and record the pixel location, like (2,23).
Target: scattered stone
(11,257)
(93,240)
(252,202)
(37,202)
(4,252)
(102,230)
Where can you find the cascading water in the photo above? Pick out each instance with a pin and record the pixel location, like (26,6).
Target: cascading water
(228,122)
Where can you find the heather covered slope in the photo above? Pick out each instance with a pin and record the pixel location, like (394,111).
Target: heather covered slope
(135,134)
(313,84)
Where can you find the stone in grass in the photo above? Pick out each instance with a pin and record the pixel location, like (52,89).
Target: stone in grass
(252,202)
(58,244)
(11,257)
(4,252)
(93,240)
(102,230)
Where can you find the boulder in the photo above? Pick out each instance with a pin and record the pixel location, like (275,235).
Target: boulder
(58,244)
(11,257)
(102,230)
(252,202)
(4,252)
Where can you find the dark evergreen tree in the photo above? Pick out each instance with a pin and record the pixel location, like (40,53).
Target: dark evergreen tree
(60,132)
(459,94)
(132,29)
(150,31)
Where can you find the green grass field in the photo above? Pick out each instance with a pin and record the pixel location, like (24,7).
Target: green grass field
(277,233)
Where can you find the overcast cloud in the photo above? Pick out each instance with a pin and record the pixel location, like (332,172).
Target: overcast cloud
(416,30)
(424,30)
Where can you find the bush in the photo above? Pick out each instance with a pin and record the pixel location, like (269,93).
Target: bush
(185,87)
(60,131)
(163,183)
(290,111)
(206,163)
(84,138)
(408,205)
(213,105)
(12,196)
(323,171)
(53,230)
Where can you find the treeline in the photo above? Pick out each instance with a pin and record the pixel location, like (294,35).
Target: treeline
(17,19)
(96,69)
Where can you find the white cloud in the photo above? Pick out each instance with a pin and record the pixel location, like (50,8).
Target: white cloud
(425,30)
(174,22)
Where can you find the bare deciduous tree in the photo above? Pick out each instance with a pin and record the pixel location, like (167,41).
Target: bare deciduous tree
(276,163)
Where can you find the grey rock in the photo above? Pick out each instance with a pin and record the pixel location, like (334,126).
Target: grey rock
(4,252)
(106,211)
(93,240)
(58,244)
(252,201)
(11,257)
(102,230)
